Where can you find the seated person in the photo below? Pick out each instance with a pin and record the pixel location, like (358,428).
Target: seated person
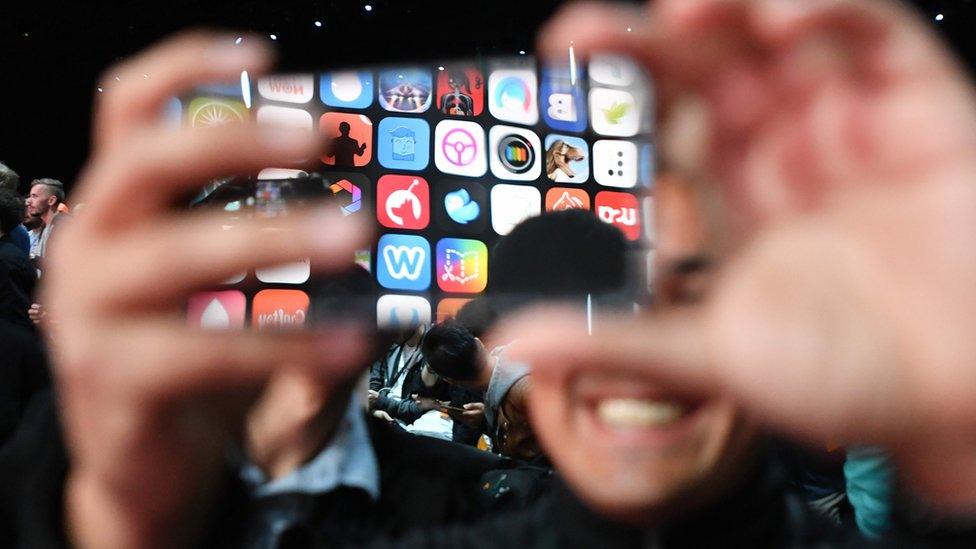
(403,387)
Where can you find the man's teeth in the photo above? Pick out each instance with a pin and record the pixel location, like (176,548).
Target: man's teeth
(632,412)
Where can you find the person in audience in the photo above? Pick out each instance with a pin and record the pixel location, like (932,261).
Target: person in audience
(43,202)
(402,386)
(10,180)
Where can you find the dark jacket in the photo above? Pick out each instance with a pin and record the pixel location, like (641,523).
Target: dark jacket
(424,482)
(405,409)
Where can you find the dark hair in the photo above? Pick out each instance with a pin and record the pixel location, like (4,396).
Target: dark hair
(11,210)
(558,255)
(8,178)
(451,351)
(54,186)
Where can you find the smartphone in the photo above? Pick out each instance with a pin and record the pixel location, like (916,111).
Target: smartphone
(445,159)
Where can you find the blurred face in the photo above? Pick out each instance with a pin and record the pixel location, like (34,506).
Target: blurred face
(39,201)
(632,449)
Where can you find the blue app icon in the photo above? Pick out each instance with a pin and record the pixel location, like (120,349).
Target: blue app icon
(403,143)
(561,98)
(403,262)
(350,89)
(460,208)
(567,159)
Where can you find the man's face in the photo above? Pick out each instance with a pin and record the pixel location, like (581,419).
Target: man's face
(629,447)
(39,201)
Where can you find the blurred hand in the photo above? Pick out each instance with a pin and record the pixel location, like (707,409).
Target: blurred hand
(842,137)
(382,414)
(37,313)
(371,398)
(472,416)
(148,403)
(426,403)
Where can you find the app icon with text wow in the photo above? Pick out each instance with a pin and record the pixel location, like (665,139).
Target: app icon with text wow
(462,265)
(403,262)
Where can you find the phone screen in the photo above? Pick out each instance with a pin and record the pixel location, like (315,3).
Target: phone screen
(446,159)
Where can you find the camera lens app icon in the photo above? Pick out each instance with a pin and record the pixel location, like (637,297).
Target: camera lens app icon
(459,148)
(515,153)
(462,265)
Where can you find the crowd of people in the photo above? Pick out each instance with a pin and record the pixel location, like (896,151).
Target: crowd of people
(805,375)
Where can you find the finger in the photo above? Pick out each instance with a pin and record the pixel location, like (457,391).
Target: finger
(164,359)
(592,27)
(136,90)
(204,253)
(156,166)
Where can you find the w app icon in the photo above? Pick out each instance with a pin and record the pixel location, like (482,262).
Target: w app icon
(403,262)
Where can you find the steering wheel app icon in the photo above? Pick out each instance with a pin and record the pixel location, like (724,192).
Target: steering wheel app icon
(460,148)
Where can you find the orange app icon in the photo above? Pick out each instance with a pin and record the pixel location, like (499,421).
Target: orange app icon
(350,139)
(274,309)
(565,198)
(448,308)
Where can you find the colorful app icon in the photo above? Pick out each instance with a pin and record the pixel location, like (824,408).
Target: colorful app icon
(459,148)
(448,308)
(613,70)
(513,204)
(560,199)
(402,312)
(619,210)
(286,273)
(350,139)
(512,96)
(208,112)
(216,310)
(405,90)
(403,202)
(516,153)
(566,159)
(277,309)
(287,88)
(462,265)
(614,112)
(615,163)
(403,262)
(460,90)
(350,189)
(562,101)
(349,89)
(403,143)
(461,206)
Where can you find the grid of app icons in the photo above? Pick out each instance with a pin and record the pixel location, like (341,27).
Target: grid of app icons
(445,159)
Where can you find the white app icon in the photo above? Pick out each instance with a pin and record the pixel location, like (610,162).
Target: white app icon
(516,153)
(402,311)
(286,273)
(459,148)
(512,204)
(614,112)
(612,70)
(615,163)
(404,262)
(562,107)
(281,173)
(289,88)
(512,96)
(287,118)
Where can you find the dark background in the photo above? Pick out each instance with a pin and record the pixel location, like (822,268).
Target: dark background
(52,53)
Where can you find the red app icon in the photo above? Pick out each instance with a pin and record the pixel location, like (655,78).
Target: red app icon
(460,90)
(448,308)
(279,309)
(403,202)
(350,140)
(559,199)
(620,210)
(216,310)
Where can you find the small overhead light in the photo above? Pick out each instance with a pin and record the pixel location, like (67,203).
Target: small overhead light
(145,76)
(274,36)
(100,90)
(368,7)
(939,17)
(318,23)
(521,52)
(629,29)
(239,40)
(440,68)
(246,89)
(118,78)
(400,76)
